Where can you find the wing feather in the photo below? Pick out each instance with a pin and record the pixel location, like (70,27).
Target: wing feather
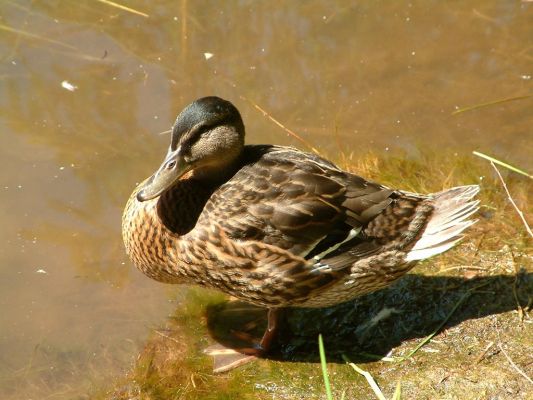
(298,202)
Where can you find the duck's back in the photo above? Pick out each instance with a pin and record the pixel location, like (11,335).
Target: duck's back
(293,200)
(319,229)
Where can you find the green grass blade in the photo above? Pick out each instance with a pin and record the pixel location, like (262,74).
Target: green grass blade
(322,353)
(428,338)
(505,165)
(398,392)
(490,103)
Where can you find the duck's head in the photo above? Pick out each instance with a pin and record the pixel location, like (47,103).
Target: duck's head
(207,138)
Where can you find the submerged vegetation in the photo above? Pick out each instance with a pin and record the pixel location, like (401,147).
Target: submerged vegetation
(458,326)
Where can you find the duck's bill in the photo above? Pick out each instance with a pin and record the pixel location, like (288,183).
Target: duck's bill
(168,173)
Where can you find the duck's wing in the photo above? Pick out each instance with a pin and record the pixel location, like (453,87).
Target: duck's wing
(300,203)
(288,225)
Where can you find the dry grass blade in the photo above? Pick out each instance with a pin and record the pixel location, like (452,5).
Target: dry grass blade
(376,357)
(166,336)
(124,8)
(490,103)
(184,18)
(292,133)
(368,377)
(514,365)
(34,36)
(520,213)
(483,353)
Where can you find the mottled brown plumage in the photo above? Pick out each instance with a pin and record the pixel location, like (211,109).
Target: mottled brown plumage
(275,226)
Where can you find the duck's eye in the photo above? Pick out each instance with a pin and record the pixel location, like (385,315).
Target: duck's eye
(171,164)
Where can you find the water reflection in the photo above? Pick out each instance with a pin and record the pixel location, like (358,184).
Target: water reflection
(382,76)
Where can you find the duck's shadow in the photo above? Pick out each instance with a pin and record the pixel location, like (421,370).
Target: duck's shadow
(374,324)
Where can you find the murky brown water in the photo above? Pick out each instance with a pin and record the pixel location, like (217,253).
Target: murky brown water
(385,76)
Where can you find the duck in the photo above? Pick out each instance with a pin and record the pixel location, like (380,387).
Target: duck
(275,226)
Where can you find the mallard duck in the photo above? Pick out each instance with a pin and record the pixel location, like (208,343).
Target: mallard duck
(275,226)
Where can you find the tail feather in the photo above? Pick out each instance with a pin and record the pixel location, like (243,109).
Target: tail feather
(421,254)
(441,224)
(449,219)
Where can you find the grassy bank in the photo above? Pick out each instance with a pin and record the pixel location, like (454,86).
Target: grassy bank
(476,300)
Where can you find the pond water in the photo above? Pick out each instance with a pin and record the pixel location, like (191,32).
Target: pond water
(87,88)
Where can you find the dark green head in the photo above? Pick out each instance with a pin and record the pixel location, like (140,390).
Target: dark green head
(207,137)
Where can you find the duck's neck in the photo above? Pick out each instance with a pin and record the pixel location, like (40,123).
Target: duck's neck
(155,231)
(222,171)
(178,208)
